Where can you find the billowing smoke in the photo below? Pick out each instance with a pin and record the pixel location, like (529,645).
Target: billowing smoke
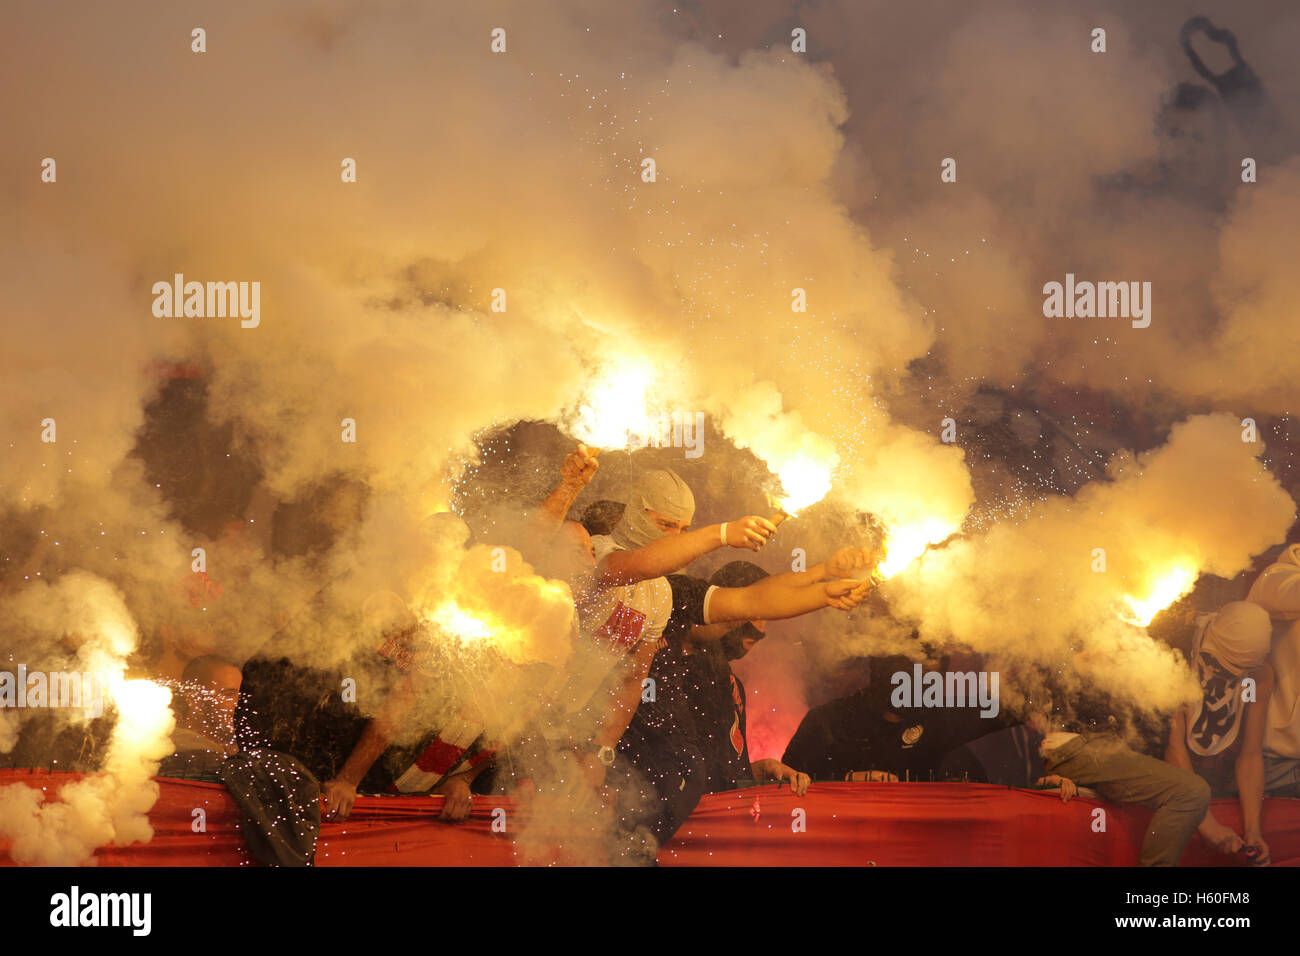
(81,627)
(1075,580)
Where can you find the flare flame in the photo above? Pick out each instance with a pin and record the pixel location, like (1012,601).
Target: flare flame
(1166,590)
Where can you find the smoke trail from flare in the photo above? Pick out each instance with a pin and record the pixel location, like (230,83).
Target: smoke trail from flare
(110,806)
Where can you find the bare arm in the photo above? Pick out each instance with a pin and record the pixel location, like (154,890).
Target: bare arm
(625,696)
(778,597)
(1278,590)
(457,799)
(1250,760)
(673,552)
(575,474)
(770,769)
(341,792)
(844,563)
(1176,753)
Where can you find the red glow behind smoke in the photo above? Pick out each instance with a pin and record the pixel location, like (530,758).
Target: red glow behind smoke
(774,689)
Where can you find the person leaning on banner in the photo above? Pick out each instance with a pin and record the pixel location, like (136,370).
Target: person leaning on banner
(1178,798)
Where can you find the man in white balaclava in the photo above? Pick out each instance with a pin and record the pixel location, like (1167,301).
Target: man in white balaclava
(661,504)
(633,600)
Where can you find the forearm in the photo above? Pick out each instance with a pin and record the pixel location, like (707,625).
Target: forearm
(374,741)
(469,776)
(771,599)
(1250,790)
(619,716)
(663,556)
(624,699)
(379,733)
(555,509)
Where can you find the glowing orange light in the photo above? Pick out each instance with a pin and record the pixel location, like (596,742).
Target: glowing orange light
(1166,590)
(906,543)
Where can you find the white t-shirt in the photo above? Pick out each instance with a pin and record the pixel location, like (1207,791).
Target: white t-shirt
(645,606)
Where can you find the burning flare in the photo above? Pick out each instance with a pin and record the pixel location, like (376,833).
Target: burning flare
(805,483)
(905,544)
(616,410)
(452,619)
(1167,589)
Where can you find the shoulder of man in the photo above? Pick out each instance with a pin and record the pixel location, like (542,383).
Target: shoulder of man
(688,596)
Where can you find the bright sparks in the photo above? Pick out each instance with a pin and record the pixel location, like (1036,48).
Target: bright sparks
(1165,592)
(905,544)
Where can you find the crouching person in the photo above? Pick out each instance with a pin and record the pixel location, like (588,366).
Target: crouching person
(1178,797)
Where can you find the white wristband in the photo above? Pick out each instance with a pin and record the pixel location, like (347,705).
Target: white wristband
(724,534)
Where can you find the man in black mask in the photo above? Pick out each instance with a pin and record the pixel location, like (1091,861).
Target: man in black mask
(865,733)
(687,737)
(720,694)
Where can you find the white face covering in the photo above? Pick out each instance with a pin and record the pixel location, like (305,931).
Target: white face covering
(1228,645)
(663,491)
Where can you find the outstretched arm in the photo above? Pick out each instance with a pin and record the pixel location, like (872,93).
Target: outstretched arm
(774,599)
(673,552)
(797,592)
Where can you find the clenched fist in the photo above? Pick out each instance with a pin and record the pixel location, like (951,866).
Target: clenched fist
(580,466)
(845,593)
(749,532)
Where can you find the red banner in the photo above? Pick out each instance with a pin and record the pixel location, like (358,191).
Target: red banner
(834,824)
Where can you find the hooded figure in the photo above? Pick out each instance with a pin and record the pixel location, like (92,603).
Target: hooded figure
(1228,645)
(663,491)
(1277,591)
(738,574)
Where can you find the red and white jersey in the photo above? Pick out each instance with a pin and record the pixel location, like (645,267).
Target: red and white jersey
(614,621)
(637,612)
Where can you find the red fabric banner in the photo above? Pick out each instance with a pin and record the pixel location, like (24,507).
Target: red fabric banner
(834,824)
